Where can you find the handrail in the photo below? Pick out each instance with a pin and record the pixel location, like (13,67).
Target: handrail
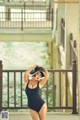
(24,18)
(73,49)
(51,92)
(62,32)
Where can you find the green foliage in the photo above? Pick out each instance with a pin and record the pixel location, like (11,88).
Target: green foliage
(46,92)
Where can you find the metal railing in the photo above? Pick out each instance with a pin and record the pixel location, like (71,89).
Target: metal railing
(73,50)
(26,17)
(32,1)
(14,79)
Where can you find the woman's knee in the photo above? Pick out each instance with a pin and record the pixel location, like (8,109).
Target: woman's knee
(43,117)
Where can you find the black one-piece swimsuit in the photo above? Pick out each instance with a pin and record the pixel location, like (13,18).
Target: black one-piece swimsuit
(35,101)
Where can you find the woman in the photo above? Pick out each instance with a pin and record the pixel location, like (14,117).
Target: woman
(36,104)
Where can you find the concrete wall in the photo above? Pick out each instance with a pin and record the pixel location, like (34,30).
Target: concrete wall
(60,13)
(71,15)
(25,36)
(72,26)
(59,10)
(79,63)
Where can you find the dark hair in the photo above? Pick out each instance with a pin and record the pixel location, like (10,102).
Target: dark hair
(37,69)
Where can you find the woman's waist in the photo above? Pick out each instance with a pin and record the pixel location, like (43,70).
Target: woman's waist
(35,99)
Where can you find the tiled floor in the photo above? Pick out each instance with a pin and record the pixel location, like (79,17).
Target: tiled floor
(50,116)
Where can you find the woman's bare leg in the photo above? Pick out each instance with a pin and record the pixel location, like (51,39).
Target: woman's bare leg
(42,112)
(34,115)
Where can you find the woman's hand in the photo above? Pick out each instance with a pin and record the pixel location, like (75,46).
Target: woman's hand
(44,69)
(27,72)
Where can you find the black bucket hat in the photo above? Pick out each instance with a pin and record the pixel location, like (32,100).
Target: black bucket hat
(37,69)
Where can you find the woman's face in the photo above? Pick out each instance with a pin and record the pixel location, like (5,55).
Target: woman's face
(37,76)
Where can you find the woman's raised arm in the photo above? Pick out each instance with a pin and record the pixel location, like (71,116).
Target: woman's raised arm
(44,80)
(26,74)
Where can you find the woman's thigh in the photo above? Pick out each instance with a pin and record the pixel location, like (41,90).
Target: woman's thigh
(42,112)
(34,114)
